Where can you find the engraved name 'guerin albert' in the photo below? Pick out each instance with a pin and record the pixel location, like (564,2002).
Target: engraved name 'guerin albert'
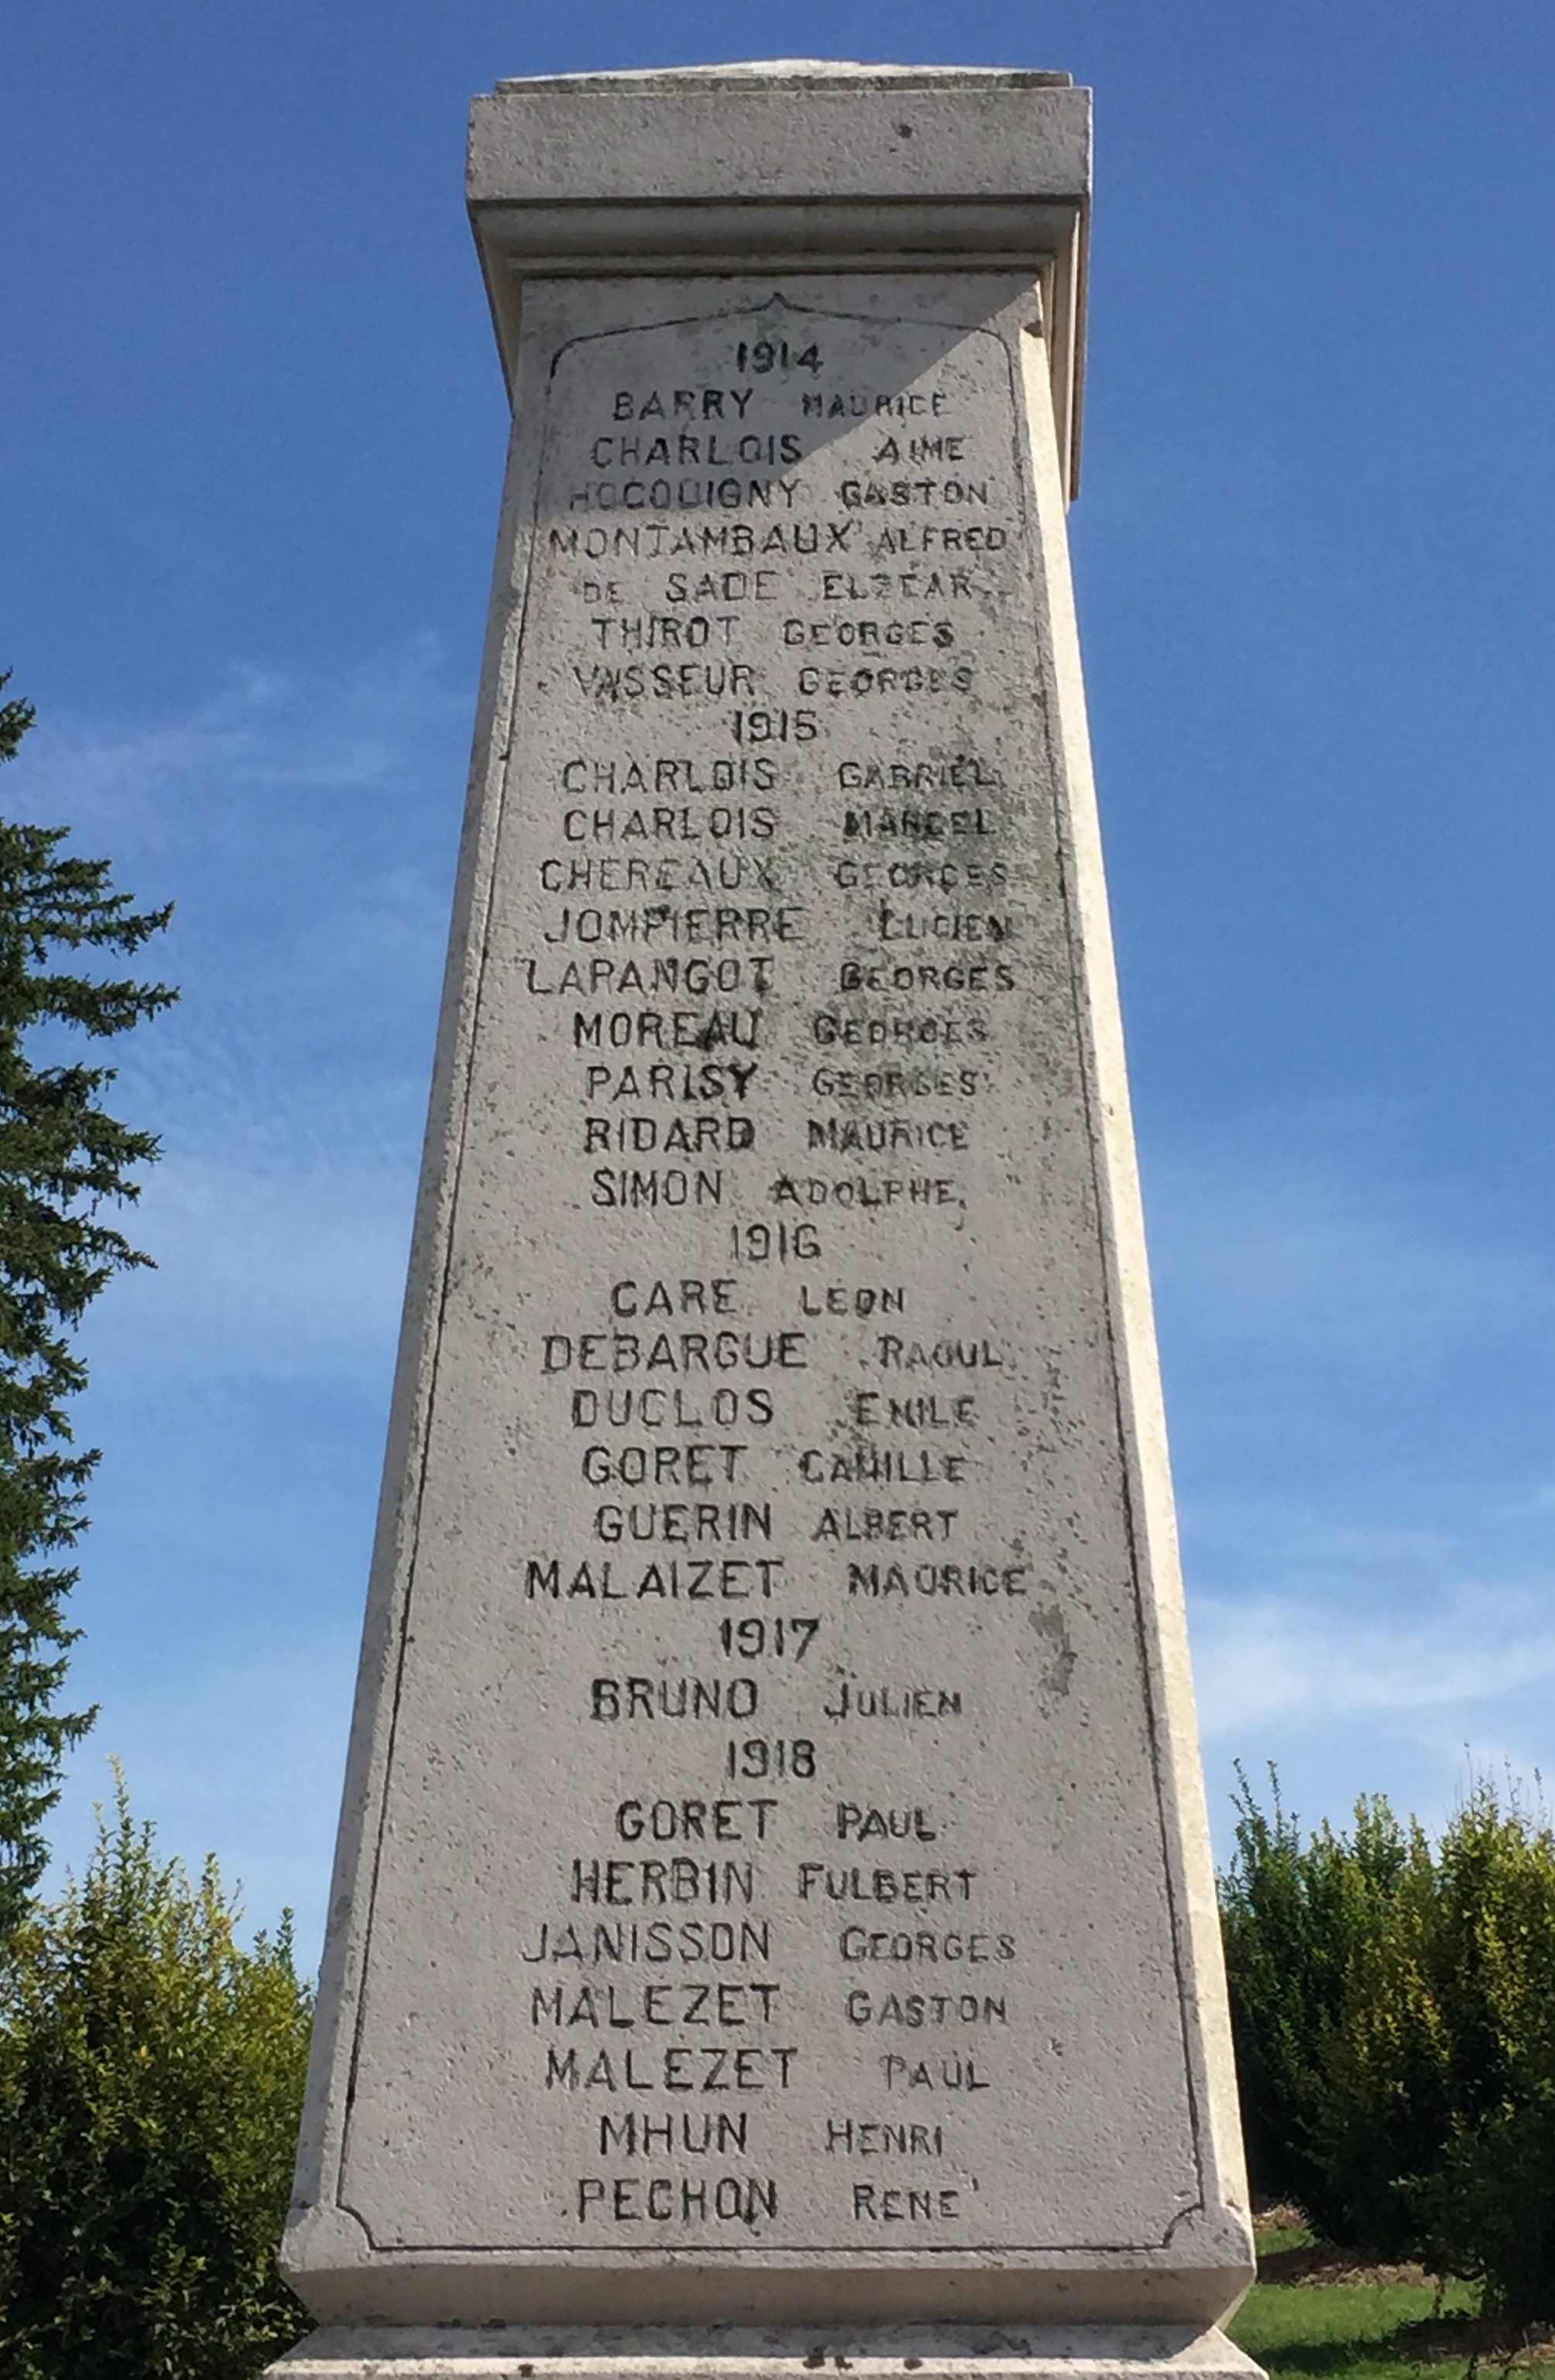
(672,923)
(768,1892)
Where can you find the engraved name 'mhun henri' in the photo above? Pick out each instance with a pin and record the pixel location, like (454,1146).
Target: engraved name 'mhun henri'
(688,2131)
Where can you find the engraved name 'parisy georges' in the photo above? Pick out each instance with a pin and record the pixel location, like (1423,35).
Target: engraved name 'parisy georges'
(774,966)
(769,1854)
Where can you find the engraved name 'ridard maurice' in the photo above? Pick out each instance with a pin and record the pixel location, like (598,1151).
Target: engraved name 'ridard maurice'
(766,1500)
(778,938)
(773,1899)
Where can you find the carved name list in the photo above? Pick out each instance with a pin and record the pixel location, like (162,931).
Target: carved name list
(784,1276)
(771,1883)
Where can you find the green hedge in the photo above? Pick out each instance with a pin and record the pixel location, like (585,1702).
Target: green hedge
(150,2080)
(1393,2010)
(1392,2001)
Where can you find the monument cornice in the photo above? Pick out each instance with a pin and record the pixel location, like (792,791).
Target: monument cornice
(899,170)
(774,1918)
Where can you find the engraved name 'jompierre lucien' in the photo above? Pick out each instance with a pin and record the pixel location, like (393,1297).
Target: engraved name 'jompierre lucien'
(779,930)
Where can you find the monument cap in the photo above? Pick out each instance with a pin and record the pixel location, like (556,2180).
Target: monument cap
(774,1919)
(691,170)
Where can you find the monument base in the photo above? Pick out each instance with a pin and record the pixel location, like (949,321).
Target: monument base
(935,2351)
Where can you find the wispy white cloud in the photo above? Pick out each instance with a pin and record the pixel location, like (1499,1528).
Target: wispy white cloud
(1343,1696)
(367,730)
(1359,1624)
(268,1271)
(307,831)
(1324,1259)
(1361,1384)
(1293,1657)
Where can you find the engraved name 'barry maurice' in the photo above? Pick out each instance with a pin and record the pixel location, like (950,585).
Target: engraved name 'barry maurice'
(773,1908)
(770,1612)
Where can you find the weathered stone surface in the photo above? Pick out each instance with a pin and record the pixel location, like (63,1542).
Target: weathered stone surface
(773,1882)
(937,2353)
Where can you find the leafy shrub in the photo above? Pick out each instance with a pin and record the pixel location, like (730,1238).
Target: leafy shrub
(1436,2108)
(150,2081)
(1292,1915)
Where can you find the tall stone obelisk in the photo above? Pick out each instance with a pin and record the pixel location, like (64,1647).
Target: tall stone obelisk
(773,1919)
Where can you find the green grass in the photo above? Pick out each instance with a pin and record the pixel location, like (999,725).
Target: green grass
(1341,2331)
(1272,2243)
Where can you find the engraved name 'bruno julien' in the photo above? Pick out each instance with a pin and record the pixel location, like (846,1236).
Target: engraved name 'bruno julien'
(713,566)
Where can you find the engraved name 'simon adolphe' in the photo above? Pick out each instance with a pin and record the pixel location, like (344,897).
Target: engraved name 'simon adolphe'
(760,1511)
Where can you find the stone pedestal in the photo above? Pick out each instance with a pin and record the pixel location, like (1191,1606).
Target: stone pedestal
(774,1886)
(939,2351)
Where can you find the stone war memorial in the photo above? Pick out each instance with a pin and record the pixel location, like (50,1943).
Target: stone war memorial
(773,1926)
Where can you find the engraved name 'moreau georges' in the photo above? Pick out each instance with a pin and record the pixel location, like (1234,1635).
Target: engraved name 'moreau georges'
(813,889)
(781,1066)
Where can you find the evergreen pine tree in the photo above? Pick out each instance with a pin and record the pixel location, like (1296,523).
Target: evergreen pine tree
(62,1157)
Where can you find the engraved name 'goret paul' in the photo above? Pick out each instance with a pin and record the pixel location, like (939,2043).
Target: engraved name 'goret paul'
(773,1886)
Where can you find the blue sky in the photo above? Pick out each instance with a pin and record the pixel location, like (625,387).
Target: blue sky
(251,434)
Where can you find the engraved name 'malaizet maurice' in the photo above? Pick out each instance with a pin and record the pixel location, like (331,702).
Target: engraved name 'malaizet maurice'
(777,1243)
(774,1922)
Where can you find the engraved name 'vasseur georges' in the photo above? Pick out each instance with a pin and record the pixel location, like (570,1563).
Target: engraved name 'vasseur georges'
(780,911)
(786,1603)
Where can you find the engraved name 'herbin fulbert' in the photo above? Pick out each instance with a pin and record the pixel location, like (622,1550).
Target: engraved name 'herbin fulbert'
(773,1619)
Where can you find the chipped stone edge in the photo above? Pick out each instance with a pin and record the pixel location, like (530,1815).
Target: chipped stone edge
(1113,2351)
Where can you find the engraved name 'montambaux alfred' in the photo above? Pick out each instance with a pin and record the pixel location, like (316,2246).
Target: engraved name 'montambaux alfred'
(766,1495)
(781,917)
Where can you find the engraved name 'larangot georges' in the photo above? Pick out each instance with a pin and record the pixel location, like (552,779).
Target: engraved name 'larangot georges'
(772,1519)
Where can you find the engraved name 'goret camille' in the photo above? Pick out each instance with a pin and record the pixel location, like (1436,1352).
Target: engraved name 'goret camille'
(774,1915)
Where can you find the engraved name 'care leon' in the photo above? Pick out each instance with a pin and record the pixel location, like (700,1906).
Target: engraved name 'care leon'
(775,919)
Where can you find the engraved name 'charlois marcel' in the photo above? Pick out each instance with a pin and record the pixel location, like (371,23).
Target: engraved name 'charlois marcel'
(770,1482)
(672,916)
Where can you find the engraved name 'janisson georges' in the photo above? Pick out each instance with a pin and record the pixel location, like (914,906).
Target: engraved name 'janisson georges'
(736,594)
(657,1943)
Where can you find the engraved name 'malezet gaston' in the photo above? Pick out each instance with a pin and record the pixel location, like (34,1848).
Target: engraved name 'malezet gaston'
(787,965)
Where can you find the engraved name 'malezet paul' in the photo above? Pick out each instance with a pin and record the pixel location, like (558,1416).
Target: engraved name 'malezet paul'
(789,1577)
